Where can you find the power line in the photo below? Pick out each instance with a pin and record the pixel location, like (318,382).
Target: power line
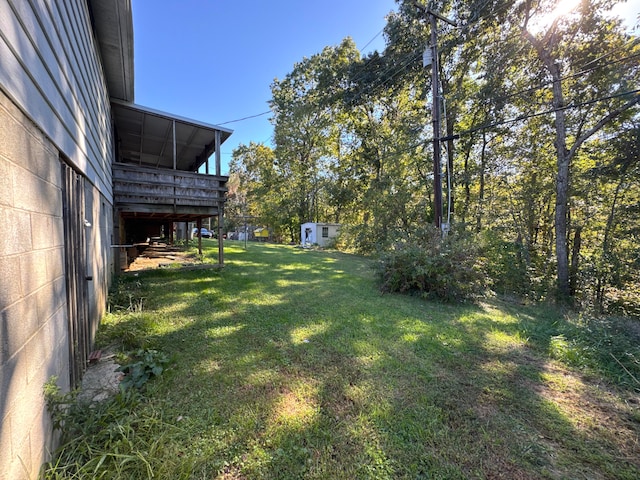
(245,118)
(469,131)
(633,42)
(546,112)
(384,79)
(573,75)
(269,111)
(371,41)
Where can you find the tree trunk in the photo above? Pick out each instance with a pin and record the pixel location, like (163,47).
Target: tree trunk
(602,275)
(483,166)
(544,48)
(467,186)
(562,187)
(563,161)
(575,260)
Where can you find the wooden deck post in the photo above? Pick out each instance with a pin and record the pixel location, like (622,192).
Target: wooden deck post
(220,196)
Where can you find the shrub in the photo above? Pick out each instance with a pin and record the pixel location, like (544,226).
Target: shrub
(444,268)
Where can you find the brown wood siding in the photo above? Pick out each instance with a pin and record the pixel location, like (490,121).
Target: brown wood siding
(148,186)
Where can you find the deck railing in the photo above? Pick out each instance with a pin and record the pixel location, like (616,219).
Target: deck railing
(158,189)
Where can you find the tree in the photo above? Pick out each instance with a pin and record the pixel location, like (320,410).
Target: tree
(256,187)
(306,132)
(556,48)
(536,110)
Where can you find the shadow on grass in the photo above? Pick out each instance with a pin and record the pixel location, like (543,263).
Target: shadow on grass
(290,364)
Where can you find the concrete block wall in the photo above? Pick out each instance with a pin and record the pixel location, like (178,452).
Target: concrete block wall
(33,311)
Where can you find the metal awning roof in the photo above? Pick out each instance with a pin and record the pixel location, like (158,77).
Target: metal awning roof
(146,137)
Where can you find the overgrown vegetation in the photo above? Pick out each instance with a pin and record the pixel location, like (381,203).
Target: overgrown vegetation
(290,364)
(122,437)
(446,268)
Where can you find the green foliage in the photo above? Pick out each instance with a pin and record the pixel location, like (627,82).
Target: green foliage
(361,239)
(126,324)
(569,352)
(122,437)
(504,264)
(131,331)
(147,365)
(351,145)
(126,294)
(609,347)
(511,269)
(77,419)
(444,268)
(623,301)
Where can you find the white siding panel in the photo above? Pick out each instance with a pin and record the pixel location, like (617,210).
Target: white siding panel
(69,24)
(73,20)
(49,66)
(53,53)
(18,35)
(60,55)
(97,98)
(20,85)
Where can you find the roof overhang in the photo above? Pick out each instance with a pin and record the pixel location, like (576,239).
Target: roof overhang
(113,26)
(152,138)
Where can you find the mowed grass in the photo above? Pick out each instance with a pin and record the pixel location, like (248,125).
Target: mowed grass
(289,363)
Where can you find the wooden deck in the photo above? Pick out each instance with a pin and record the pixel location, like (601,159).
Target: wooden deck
(145,190)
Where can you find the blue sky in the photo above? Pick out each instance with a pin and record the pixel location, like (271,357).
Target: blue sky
(214,60)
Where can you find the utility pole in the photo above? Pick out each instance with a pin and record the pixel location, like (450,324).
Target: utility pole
(436,109)
(435,115)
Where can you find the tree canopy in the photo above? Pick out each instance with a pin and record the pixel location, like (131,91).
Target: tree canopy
(540,156)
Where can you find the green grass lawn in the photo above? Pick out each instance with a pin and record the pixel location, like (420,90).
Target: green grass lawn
(289,363)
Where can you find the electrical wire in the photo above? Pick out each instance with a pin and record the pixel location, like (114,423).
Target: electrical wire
(371,41)
(398,69)
(385,80)
(269,111)
(546,112)
(423,143)
(245,118)
(550,82)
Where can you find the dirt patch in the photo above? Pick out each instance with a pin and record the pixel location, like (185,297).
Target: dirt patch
(163,256)
(597,410)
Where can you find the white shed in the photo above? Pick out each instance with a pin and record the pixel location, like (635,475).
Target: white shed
(318,233)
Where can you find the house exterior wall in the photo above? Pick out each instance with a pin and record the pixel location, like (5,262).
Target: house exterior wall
(50,67)
(33,312)
(54,108)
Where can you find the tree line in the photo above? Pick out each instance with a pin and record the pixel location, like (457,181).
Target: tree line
(540,151)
